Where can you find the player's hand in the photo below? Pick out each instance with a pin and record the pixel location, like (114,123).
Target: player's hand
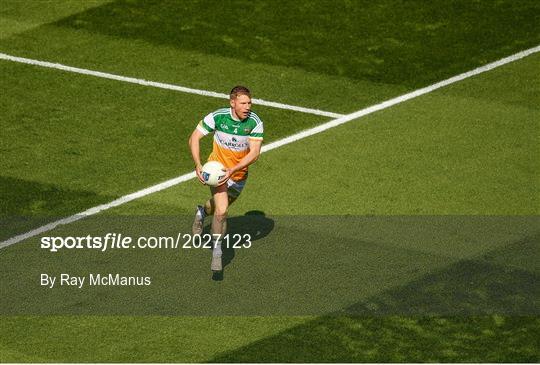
(223,180)
(198,171)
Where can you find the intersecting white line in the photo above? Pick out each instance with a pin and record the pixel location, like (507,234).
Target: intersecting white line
(282,142)
(161,85)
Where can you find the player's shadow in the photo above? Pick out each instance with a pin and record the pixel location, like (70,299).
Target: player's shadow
(253,225)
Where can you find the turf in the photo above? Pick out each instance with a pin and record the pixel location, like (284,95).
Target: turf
(70,142)
(471,148)
(398,339)
(358,40)
(151,339)
(388,48)
(109,138)
(17,17)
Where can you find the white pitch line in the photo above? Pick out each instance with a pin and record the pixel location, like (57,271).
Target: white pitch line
(161,85)
(273,145)
(398,100)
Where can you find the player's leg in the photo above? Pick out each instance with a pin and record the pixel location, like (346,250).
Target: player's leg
(222,197)
(198,222)
(221,205)
(219,223)
(207,209)
(210,205)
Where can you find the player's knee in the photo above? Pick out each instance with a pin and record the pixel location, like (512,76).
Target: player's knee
(209,207)
(220,212)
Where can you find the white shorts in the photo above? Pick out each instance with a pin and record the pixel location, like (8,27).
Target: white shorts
(234,188)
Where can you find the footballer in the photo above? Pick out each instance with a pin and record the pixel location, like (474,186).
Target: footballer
(238,136)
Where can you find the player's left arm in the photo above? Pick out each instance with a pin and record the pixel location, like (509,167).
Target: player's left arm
(251,157)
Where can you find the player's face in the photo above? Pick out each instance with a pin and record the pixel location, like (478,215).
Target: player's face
(241,106)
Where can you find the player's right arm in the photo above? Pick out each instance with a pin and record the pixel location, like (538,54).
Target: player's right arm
(194,146)
(204,127)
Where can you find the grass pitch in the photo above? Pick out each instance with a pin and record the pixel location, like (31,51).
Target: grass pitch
(437,294)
